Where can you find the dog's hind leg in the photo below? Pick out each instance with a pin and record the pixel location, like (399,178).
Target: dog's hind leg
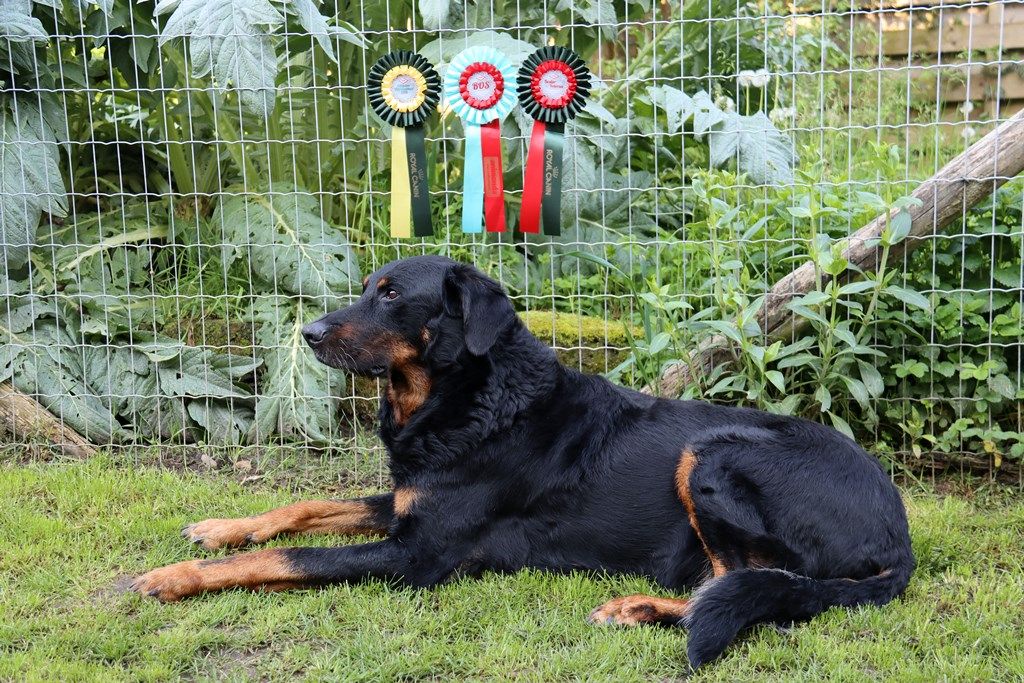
(361,516)
(733,537)
(640,609)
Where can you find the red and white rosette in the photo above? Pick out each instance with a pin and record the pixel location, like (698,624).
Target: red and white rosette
(477,87)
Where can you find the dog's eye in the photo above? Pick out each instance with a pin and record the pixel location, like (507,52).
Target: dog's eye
(390,295)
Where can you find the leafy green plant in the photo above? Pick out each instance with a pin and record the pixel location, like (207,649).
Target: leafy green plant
(183,184)
(957,371)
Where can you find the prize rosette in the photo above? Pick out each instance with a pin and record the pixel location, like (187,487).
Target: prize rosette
(404,89)
(478,88)
(553,84)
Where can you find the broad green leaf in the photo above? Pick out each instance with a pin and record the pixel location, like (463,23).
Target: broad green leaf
(910,367)
(191,375)
(348,33)
(434,13)
(30,183)
(872,379)
(18,25)
(290,246)
(898,228)
(824,397)
(296,395)
(225,423)
(909,297)
(840,424)
(725,328)
(705,113)
(806,312)
(1002,385)
(597,12)
(762,151)
(857,390)
(231,42)
(800,360)
(51,371)
(440,52)
(812,299)
(156,414)
(845,336)
(160,351)
(659,343)
(857,287)
(314,24)
(677,105)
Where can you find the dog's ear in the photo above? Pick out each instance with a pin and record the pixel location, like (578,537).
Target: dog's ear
(483,305)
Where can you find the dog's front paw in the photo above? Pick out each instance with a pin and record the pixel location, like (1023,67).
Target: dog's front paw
(213,534)
(170,583)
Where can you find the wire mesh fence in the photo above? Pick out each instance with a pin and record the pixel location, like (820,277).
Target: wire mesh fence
(187,182)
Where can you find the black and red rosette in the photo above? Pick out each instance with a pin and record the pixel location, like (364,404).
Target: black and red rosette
(404,89)
(553,84)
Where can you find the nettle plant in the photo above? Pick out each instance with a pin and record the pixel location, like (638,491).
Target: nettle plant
(925,354)
(743,244)
(958,370)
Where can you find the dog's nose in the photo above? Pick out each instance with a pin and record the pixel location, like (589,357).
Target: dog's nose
(314,332)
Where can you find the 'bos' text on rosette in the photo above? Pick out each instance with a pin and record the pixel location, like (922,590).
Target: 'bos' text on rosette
(478,88)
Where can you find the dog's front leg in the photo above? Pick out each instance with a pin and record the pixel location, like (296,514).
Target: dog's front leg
(277,569)
(368,516)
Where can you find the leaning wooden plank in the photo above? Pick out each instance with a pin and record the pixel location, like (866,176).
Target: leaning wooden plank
(959,185)
(25,420)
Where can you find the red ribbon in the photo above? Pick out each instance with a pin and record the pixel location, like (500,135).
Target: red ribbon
(533,183)
(494,189)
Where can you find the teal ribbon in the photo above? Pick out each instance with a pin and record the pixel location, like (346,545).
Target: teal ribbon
(473,182)
(551,189)
(416,150)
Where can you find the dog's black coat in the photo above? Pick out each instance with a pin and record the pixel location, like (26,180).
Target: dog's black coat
(517,461)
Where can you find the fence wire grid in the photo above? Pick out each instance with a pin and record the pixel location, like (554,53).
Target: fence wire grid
(187,182)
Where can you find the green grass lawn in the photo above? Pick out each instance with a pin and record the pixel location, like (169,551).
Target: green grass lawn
(72,533)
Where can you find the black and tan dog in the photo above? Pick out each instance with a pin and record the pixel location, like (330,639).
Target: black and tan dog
(502,459)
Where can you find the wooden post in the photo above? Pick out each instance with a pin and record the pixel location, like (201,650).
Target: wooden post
(27,420)
(959,185)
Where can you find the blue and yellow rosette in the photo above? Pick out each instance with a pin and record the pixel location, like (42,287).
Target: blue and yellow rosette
(478,88)
(553,84)
(404,89)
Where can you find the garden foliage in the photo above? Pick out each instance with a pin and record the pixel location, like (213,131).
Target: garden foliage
(184,183)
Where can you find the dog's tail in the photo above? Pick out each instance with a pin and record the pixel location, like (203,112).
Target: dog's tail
(742,598)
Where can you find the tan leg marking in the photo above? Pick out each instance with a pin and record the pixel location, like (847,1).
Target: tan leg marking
(684,471)
(265,570)
(312,516)
(639,609)
(405,497)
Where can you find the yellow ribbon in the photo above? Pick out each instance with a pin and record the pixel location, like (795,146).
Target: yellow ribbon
(401,199)
(387,88)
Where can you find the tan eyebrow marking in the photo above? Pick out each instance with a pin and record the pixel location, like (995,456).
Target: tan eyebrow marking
(366,281)
(382,283)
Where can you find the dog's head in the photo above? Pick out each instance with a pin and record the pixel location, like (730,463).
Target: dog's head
(413,314)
